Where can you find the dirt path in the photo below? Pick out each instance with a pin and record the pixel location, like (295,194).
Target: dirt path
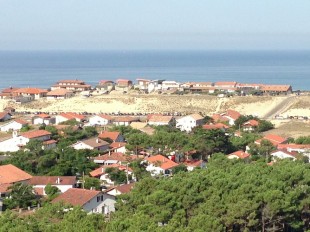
(281,107)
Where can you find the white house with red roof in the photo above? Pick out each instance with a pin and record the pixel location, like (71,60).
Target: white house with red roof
(91,201)
(118,147)
(13,125)
(160,165)
(216,126)
(20,140)
(160,120)
(63,183)
(43,119)
(100,120)
(283,154)
(187,123)
(115,136)
(238,155)
(114,158)
(120,189)
(72,85)
(91,144)
(105,86)
(123,85)
(250,125)
(124,120)
(232,116)
(34,93)
(69,116)
(274,139)
(59,94)
(292,147)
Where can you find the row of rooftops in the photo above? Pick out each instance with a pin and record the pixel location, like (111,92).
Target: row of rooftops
(58,88)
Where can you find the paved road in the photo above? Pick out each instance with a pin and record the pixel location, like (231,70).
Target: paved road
(281,107)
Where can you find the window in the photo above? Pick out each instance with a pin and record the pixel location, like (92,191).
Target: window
(101,197)
(98,198)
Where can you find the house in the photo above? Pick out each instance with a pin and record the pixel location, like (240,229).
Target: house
(63,183)
(105,86)
(143,84)
(114,136)
(160,165)
(100,120)
(170,85)
(124,121)
(13,125)
(274,139)
(114,158)
(229,86)
(59,94)
(91,144)
(120,189)
(216,126)
(69,116)
(91,201)
(192,164)
(283,154)
(250,125)
(5,116)
(238,155)
(188,122)
(219,118)
(232,116)
(123,85)
(8,93)
(161,120)
(118,147)
(34,93)
(276,89)
(292,147)
(9,174)
(72,85)
(40,119)
(101,174)
(18,141)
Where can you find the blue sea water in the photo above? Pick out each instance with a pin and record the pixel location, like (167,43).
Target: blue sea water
(43,69)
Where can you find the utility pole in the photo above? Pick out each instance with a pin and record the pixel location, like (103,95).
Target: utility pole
(83,180)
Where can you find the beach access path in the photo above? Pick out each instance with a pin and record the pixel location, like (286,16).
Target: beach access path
(280,107)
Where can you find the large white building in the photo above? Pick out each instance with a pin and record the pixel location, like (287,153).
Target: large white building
(187,123)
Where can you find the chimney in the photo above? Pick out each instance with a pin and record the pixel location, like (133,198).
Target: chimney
(97,140)
(58,180)
(102,170)
(109,152)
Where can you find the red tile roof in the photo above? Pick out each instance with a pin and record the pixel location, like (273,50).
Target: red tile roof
(53,180)
(35,134)
(71,81)
(251,123)
(20,121)
(30,91)
(215,126)
(107,117)
(116,156)
(4,114)
(42,116)
(160,118)
(123,189)
(162,161)
(51,141)
(125,119)
(233,114)
(76,196)
(102,82)
(72,116)
(240,154)
(4,188)
(9,90)
(58,92)
(225,83)
(101,170)
(116,145)
(109,134)
(219,118)
(11,174)
(276,88)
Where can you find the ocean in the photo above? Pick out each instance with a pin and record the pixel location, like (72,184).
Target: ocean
(43,69)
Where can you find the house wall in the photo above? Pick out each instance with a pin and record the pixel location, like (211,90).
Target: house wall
(11,126)
(62,188)
(96,120)
(104,206)
(282,155)
(187,123)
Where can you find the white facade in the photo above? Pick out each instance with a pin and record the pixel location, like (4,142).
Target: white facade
(282,155)
(39,121)
(170,85)
(62,188)
(13,125)
(60,119)
(102,203)
(97,120)
(187,123)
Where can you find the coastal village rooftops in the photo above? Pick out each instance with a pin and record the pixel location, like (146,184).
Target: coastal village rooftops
(120,157)
(94,142)
(30,91)
(276,88)
(72,116)
(53,180)
(76,196)
(101,170)
(35,134)
(125,119)
(20,121)
(105,116)
(10,174)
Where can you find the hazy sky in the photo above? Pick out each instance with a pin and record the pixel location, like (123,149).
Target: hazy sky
(154,24)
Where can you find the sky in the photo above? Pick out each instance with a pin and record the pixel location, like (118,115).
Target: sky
(154,24)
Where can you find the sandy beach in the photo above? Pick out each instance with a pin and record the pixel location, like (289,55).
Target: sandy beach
(135,103)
